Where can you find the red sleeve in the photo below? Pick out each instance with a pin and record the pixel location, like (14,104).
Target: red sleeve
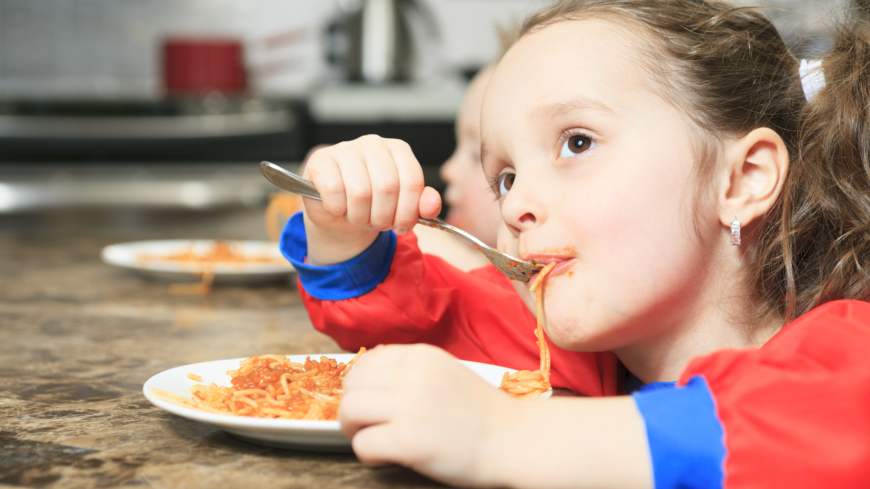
(475,316)
(796,412)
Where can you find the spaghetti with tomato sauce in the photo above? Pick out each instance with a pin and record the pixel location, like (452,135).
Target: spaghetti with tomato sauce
(530,384)
(271,386)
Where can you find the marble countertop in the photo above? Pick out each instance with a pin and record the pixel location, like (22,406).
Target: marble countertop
(78,338)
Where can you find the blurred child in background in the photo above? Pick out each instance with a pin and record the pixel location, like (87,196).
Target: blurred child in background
(471,206)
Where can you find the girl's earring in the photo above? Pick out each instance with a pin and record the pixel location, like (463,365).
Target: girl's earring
(735,232)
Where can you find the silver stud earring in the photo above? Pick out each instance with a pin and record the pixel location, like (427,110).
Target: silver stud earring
(735,232)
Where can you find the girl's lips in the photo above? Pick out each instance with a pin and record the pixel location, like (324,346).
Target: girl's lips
(563,263)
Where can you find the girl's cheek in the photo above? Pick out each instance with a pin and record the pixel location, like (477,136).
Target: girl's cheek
(506,241)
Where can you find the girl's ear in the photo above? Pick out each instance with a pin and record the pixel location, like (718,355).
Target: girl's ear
(755,170)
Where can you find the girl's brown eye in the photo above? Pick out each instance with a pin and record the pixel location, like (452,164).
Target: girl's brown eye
(505,183)
(576,145)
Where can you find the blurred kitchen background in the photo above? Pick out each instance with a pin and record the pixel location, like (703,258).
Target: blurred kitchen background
(171,104)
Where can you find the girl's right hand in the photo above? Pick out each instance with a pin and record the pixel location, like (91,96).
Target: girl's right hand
(368,185)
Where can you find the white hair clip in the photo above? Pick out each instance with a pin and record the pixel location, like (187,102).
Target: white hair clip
(812,77)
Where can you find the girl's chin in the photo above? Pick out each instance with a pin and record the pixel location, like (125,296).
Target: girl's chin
(572,337)
(561,338)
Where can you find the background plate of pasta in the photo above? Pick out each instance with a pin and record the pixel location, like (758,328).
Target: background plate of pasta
(283,401)
(219,261)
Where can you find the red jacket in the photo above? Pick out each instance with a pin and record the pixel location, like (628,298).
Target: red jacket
(475,316)
(794,413)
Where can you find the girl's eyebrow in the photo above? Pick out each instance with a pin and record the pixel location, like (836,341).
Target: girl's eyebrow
(554,111)
(483,152)
(561,109)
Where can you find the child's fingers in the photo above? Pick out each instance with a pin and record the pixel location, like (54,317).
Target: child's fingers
(357,186)
(382,444)
(324,173)
(364,407)
(430,203)
(384,179)
(368,397)
(411,185)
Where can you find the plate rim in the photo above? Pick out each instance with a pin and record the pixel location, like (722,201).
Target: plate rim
(109,252)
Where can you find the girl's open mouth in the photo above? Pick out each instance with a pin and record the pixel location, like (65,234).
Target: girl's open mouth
(563,263)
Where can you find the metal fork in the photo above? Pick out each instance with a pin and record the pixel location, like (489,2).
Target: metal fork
(513,268)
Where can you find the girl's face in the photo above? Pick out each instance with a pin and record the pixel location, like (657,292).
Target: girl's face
(595,172)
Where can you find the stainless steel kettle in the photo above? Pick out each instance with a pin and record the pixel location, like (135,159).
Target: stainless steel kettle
(380,41)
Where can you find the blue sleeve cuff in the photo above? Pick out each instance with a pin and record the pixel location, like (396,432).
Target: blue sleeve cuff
(353,278)
(686,439)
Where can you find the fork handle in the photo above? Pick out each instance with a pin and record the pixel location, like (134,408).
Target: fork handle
(288,181)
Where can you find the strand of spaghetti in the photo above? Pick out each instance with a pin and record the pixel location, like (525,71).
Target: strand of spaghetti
(282,413)
(247,401)
(281,359)
(539,331)
(272,401)
(284,383)
(353,361)
(540,278)
(167,395)
(247,392)
(535,383)
(186,402)
(521,389)
(318,396)
(524,375)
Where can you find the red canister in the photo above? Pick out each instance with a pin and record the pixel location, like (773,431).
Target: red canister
(195,66)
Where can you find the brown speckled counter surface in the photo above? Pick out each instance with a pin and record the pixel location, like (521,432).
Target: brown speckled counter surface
(79,338)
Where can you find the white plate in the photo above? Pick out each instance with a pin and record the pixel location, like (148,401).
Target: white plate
(130,255)
(323,436)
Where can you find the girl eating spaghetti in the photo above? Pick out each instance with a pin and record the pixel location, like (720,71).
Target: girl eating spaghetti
(706,199)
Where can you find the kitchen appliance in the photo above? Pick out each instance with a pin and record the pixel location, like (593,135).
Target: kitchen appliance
(380,41)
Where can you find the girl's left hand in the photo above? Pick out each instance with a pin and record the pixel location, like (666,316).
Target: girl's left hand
(418,407)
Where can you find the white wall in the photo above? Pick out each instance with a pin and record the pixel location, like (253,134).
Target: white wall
(109,49)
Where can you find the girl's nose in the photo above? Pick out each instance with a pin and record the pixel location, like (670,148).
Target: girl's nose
(521,209)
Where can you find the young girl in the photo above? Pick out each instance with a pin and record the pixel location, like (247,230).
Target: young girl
(478,316)
(707,202)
